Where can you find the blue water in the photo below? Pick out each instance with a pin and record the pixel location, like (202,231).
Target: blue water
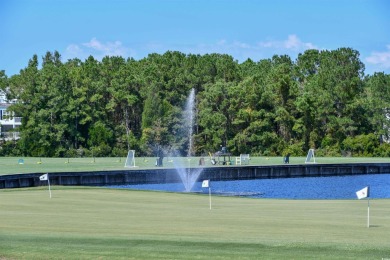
(341,187)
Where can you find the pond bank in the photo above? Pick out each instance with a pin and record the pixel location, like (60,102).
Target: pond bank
(214,173)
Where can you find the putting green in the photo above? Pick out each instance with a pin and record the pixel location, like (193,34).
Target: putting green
(90,223)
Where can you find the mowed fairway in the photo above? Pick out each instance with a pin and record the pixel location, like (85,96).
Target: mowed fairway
(98,223)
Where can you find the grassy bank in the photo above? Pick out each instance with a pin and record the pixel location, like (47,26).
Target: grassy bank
(10,165)
(97,223)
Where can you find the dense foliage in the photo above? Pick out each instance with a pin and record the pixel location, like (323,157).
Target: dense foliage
(321,100)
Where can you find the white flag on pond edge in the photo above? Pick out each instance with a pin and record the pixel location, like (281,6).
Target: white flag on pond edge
(43,177)
(205,184)
(363,193)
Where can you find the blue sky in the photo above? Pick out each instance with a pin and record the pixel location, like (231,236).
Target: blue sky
(241,28)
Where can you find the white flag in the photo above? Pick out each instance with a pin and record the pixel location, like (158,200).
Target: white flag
(363,193)
(43,177)
(205,184)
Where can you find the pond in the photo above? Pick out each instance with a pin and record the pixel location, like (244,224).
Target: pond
(339,187)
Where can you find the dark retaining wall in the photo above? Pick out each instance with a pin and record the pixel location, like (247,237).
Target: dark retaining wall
(162,175)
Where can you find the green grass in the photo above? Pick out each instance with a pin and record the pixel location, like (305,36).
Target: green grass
(98,223)
(9,165)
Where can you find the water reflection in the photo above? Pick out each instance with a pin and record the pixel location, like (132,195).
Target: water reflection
(340,187)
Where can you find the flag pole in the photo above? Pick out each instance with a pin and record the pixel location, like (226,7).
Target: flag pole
(368,212)
(206,184)
(48,182)
(210,196)
(365,193)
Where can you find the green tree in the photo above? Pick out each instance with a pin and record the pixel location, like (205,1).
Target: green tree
(100,138)
(309,94)
(330,87)
(269,107)
(377,97)
(214,117)
(26,86)
(3,80)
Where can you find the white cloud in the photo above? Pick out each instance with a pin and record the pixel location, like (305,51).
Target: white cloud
(237,49)
(241,45)
(255,51)
(380,59)
(74,50)
(293,43)
(97,49)
(108,48)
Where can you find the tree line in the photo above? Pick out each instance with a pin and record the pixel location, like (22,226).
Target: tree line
(321,100)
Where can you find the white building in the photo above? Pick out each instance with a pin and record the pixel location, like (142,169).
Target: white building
(8,122)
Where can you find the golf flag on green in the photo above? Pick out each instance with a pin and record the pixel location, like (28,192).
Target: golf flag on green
(206,184)
(363,193)
(45,177)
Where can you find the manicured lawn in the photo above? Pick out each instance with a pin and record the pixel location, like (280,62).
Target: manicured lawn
(98,223)
(10,165)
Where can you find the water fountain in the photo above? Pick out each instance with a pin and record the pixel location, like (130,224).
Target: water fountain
(189,175)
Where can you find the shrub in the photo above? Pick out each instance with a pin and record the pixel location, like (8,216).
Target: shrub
(361,145)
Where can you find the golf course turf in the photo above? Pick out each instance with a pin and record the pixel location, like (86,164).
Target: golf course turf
(100,223)
(11,165)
